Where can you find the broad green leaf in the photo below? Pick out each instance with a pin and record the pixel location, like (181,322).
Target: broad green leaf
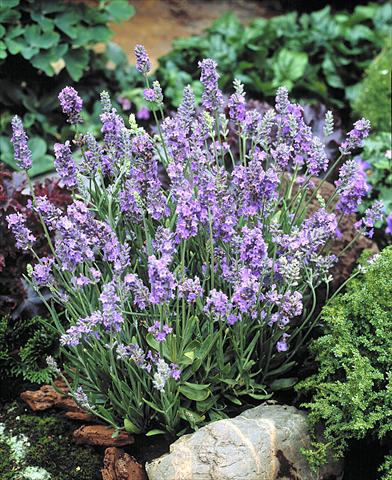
(15,46)
(260,396)
(120,10)
(2,31)
(192,393)
(67,22)
(36,38)
(45,23)
(155,431)
(100,33)
(6,152)
(28,52)
(9,3)
(283,383)
(76,60)
(9,16)
(130,427)
(289,65)
(42,162)
(190,416)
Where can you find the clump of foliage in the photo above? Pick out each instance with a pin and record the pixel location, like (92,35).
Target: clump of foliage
(44,46)
(182,302)
(320,55)
(24,345)
(352,389)
(374,92)
(45,445)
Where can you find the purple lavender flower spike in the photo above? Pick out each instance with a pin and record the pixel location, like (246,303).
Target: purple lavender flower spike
(282,346)
(71,104)
(159,331)
(138,289)
(161,280)
(19,139)
(149,95)
(218,304)
(42,272)
(64,163)
(253,248)
(186,111)
(190,289)
(111,317)
(49,212)
(372,215)
(355,136)
(143,64)
(212,98)
(352,187)
(236,103)
(23,236)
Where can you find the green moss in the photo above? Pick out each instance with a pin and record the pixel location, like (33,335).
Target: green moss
(51,446)
(8,466)
(374,99)
(351,393)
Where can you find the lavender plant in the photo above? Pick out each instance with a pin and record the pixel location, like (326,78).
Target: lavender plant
(180,301)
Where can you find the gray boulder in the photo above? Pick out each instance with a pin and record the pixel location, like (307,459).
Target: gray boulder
(262,443)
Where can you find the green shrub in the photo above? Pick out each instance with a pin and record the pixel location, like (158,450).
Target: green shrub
(24,345)
(374,97)
(352,389)
(45,45)
(320,55)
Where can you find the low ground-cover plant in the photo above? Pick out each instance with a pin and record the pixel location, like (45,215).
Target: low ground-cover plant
(180,303)
(41,447)
(45,45)
(352,389)
(321,55)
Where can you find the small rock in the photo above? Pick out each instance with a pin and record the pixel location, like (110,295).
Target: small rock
(101,435)
(121,466)
(263,443)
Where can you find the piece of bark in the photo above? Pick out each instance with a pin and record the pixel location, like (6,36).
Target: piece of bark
(79,416)
(118,465)
(47,397)
(101,435)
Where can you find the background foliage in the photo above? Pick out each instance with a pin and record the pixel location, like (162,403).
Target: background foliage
(317,56)
(44,46)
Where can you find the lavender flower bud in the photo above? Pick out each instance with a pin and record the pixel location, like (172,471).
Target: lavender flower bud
(186,111)
(106,103)
(355,136)
(64,163)
(71,104)
(143,64)
(24,237)
(328,124)
(212,98)
(22,153)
